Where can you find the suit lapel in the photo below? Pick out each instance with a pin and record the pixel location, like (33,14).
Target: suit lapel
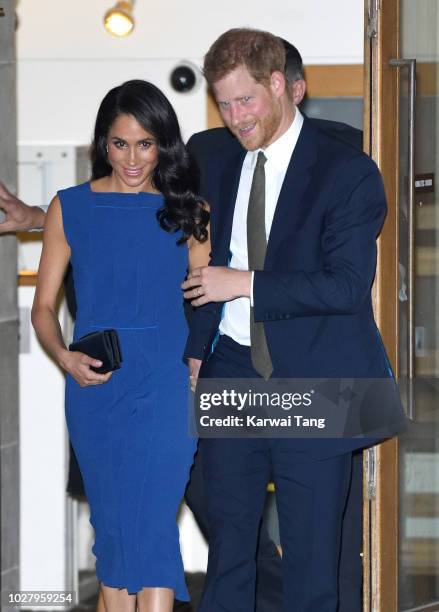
(229,183)
(297,178)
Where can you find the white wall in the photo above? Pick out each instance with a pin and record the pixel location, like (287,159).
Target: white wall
(44,529)
(58,99)
(324,31)
(67,61)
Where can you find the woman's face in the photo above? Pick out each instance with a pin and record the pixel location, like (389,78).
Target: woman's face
(132,153)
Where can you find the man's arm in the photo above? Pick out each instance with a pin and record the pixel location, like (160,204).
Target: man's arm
(19,217)
(203,326)
(208,149)
(340,286)
(203,322)
(353,221)
(204,304)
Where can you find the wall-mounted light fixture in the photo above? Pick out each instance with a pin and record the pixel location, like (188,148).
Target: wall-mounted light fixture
(119,20)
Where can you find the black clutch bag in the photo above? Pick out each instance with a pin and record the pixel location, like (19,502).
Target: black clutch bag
(103,345)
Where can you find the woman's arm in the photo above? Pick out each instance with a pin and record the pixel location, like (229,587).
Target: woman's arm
(199,253)
(53,264)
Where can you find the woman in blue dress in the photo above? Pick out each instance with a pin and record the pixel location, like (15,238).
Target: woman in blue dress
(130,233)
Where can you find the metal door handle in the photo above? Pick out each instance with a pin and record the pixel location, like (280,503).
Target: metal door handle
(411,65)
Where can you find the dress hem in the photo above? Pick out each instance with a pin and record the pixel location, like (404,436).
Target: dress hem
(178,596)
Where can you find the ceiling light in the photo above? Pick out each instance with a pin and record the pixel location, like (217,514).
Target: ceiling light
(119,20)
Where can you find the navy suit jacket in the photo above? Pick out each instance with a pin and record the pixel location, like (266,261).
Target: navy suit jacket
(314,293)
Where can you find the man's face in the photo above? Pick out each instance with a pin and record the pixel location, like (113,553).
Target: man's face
(252,111)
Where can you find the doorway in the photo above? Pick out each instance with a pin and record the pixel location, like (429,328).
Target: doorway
(401,130)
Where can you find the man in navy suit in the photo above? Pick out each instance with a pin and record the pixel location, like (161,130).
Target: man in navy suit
(221,142)
(304,312)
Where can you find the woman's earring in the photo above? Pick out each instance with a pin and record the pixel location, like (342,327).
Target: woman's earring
(106,148)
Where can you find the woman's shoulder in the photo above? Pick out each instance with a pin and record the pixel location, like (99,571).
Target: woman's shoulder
(75,190)
(72,200)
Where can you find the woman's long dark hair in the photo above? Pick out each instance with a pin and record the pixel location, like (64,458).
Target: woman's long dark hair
(176,175)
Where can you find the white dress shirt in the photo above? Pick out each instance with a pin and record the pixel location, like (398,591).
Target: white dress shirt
(236,315)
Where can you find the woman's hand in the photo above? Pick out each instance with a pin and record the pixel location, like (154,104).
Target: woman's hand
(78,365)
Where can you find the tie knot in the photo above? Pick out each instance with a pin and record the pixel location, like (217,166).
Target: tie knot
(261,160)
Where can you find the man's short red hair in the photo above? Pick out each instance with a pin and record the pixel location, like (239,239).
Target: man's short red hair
(260,52)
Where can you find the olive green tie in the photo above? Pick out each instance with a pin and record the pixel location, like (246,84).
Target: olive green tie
(257,247)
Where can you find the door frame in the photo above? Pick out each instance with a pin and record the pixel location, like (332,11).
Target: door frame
(381,141)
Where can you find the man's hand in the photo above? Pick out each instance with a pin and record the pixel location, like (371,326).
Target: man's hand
(19,216)
(194,370)
(216,284)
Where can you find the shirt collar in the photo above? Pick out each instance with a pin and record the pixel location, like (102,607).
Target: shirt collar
(280,151)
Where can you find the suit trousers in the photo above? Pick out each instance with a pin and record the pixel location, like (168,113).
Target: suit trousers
(310,495)
(268,560)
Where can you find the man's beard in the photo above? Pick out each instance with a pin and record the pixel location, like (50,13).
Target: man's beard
(265,128)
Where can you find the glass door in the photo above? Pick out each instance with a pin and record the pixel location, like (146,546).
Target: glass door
(418,306)
(402,134)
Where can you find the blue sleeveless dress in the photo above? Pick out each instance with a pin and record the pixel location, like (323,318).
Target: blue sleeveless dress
(130,434)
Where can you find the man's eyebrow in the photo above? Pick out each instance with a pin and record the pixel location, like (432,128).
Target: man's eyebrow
(240,97)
